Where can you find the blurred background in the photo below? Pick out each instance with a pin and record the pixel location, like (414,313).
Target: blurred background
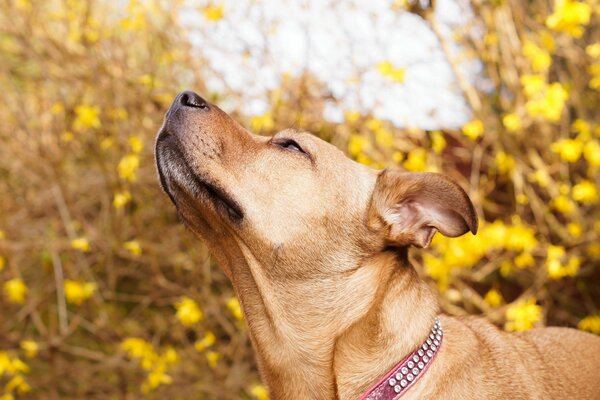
(105,295)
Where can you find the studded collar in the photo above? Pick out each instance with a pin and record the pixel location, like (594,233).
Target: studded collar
(397,382)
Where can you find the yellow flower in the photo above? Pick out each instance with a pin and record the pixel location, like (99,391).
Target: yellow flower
(438,270)
(548,103)
(86,117)
(522,315)
(235,308)
(563,205)
(416,160)
(155,378)
(188,312)
(524,260)
(17,383)
(554,266)
(30,347)
(547,40)
(569,16)
(263,122)
(593,250)
(438,143)
(593,50)
(208,340)
(137,348)
(128,166)
(557,270)
(473,129)
(259,392)
(15,290)
(357,144)
(505,163)
(512,122)
(582,127)
(212,357)
(352,116)
(121,199)
(493,298)
(81,244)
(384,138)
(134,247)
(540,177)
(522,199)
(591,152)
(532,84)
(213,12)
(591,323)
(136,144)
(585,192)
(574,229)
(540,58)
(569,149)
(387,69)
(78,292)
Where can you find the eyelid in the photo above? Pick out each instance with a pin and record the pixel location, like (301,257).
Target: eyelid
(286,142)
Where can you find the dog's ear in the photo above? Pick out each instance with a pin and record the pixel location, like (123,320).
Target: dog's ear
(411,207)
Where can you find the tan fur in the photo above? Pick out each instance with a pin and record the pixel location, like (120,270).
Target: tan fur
(318,259)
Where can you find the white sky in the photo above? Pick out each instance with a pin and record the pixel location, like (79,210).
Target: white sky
(341,43)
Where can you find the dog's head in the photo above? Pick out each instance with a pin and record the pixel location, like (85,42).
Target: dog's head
(282,210)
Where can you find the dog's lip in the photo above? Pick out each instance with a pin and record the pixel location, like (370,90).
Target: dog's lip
(194,185)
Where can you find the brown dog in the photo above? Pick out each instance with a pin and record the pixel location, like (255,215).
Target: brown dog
(315,246)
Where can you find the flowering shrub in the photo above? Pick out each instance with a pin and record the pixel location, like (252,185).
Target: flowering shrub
(99,280)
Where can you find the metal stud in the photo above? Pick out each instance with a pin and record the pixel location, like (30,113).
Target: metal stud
(430,353)
(415,371)
(410,364)
(421,365)
(433,347)
(416,358)
(425,359)
(420,352)
(404,370)
(392,382)
(410,377)
(403,383)
(398,376)
(429,341)
(425,346)
(397,389)
(436,342)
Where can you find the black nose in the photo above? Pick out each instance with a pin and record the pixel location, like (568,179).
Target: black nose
(191,99)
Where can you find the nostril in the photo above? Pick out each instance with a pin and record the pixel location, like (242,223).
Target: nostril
(191,99)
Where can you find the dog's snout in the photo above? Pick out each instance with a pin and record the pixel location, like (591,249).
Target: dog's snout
(191,99)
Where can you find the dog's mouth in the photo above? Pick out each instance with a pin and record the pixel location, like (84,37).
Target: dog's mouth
(177,178)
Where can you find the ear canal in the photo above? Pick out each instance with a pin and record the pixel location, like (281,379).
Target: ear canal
(414,206)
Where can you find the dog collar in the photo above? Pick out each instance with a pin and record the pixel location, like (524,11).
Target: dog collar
(397,382)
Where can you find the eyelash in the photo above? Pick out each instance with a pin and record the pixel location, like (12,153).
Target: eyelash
(286,144)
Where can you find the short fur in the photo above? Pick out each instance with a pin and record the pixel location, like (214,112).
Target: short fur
(316,246)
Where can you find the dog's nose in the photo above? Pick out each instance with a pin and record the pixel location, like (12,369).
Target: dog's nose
(191,99)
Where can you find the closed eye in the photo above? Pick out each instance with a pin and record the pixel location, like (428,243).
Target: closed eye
(290,144)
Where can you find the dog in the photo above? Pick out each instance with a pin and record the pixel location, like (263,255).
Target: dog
(316,248)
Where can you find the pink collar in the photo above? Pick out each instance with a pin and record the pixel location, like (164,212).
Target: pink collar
(397,382)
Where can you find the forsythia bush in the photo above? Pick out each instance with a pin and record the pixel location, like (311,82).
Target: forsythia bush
(103,294)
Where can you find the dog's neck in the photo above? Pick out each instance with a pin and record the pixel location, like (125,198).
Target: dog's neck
(334,340)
